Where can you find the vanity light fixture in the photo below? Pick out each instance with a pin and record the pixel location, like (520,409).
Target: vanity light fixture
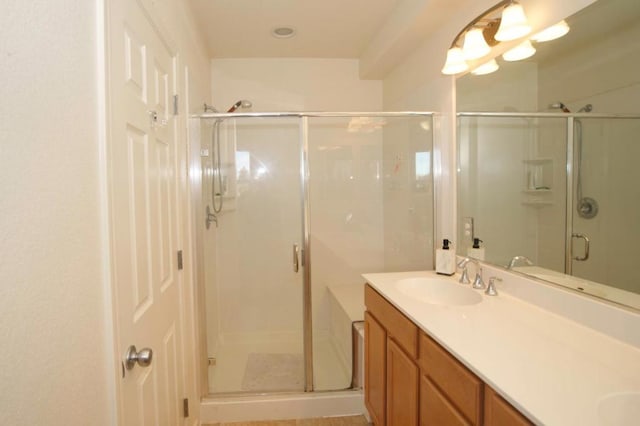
(481,34)
(553,32)
(522,51)
(488,68)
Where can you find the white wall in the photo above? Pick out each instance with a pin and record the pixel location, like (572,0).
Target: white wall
(54,317)
(56,366)
(291,84)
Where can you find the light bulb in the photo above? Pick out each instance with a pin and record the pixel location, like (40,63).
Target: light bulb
(513,24)
(455,62)
(522,51)
(487,68)
(552,33)
(474,46)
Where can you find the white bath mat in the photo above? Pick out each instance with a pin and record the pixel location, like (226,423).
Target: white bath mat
(273,372)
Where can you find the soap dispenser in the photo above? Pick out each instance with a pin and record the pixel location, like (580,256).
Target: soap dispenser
(476,251)
(445,259)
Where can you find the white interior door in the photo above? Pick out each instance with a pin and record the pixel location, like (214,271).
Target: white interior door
(143,204)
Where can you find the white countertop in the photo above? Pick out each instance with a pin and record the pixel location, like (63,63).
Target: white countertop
(554,370)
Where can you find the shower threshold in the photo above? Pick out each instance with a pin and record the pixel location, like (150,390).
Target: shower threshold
(281,406)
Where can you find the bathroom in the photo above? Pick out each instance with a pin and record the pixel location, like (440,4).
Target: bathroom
(59,266)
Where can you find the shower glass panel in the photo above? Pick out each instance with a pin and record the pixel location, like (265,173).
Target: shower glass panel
(512,187)
(609,176)
(254,295)
(371,210)
(354,192)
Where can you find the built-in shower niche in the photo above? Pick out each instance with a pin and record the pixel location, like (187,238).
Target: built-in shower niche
(538,181)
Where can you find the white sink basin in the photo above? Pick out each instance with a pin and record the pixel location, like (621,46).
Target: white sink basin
(619,409)
(438,291)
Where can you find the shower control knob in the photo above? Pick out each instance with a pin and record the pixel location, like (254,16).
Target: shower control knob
(143,358)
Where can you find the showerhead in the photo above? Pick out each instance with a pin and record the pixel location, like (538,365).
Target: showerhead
(559,105)
(586,108)
(240,104)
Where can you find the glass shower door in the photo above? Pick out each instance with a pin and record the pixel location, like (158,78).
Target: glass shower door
(606,201)
(255,293)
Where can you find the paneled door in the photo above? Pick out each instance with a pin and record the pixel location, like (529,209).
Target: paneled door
(143,217)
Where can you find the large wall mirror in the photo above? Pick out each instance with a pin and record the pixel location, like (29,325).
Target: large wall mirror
(549,157)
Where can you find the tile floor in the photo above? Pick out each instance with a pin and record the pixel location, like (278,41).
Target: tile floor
(328,421)
(228,373)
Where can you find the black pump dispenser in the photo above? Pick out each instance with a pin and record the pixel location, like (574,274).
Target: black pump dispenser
(446,259)
(476,243)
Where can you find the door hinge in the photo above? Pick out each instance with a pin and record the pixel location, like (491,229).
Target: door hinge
(180,265)
(185,407)
(175,104)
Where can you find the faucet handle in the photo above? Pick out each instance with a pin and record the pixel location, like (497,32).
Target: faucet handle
(491,288)
(464,278)
(478,283)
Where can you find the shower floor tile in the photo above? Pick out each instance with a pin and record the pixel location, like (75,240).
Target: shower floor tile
(231,361)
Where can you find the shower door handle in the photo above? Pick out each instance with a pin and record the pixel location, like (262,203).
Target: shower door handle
(586,247)
(296,255)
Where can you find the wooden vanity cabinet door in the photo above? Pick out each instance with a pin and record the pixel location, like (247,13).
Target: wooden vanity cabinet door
(462,387)
(402,387)
(435,408)
(375,361)
(498,412)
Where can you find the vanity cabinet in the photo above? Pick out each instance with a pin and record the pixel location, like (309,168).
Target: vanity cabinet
(498,412)
(391,371)
(410,379)
(459,386)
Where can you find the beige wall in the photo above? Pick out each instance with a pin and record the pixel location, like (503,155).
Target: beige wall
(54,313)
(56,364)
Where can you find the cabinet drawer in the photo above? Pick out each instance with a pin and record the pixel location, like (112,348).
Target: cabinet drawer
(398,327)
(435,409)
(498,412)
(461,386)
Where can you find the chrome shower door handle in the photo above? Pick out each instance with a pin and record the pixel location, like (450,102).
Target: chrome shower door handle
(586,247)
(296,256)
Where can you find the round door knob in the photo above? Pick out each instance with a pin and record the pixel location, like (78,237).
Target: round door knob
(143,358)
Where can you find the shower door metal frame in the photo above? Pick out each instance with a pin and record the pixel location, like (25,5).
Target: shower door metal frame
(307,307)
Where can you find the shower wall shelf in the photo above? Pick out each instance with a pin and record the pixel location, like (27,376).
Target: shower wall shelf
(538,175)
(537,191)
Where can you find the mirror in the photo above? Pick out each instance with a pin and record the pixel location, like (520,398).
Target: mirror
(547,152)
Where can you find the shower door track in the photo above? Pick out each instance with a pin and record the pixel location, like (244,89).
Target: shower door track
(314,114)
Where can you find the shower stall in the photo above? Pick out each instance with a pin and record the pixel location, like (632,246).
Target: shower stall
(560,189)
(309,202)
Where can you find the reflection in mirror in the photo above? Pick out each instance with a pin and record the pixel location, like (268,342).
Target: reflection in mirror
(559,188)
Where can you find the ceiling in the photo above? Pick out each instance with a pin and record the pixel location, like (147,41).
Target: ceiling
(325,28)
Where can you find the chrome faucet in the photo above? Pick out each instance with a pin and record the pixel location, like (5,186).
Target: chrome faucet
(478,283)
(515,259)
